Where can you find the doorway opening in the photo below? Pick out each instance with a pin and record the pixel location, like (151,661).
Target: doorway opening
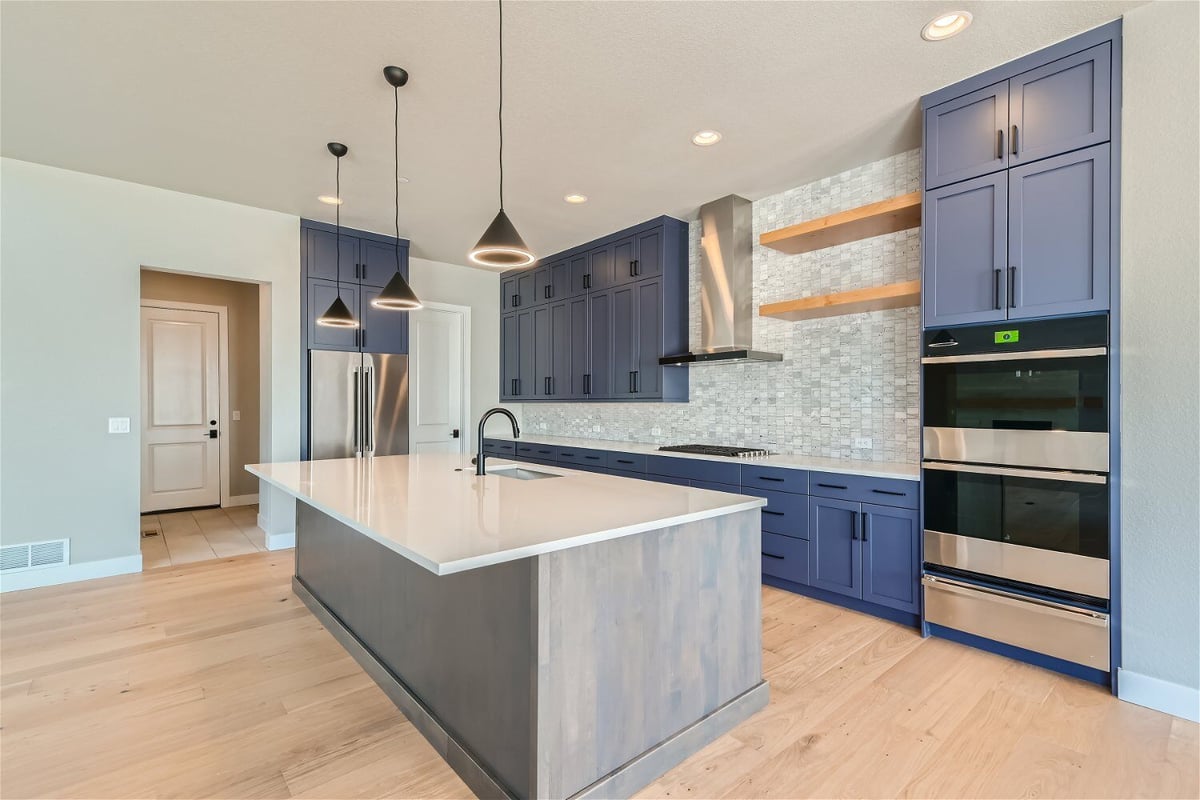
(200,418)
(440,363)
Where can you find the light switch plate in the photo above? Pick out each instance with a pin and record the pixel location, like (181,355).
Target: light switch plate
(237,416)
(118,424)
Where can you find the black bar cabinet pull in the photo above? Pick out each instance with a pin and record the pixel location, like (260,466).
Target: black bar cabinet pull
(773,480)
(364,337)
(831,486)
(631,389)
(587,281)
(587,384)
(631,272)
(547,384)
(854,526)
(887,491)
(624,461)
(774,513)
(516,300)
(1012,287)
(1000,143)
(514,385)
(636,379)
(1014,138)
(772,555)
(996,290)
(637,267)
(862,526)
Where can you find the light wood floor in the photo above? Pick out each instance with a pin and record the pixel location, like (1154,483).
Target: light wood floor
(172,538)
(212,680)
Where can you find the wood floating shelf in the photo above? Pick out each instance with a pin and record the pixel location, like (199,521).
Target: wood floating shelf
(876,219)
(856,301)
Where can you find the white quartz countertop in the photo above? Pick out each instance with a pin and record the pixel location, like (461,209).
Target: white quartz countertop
(434,510)
(844,466)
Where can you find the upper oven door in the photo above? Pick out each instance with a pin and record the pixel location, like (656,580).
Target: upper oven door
(1038,409)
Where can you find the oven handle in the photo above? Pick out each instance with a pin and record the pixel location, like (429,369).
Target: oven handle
(967,589)
(1075,352)
(1043,474)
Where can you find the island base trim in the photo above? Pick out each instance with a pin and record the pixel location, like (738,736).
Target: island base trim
(642,770)
(459,758)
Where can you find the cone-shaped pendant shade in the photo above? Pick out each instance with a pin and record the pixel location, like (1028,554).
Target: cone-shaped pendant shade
(397,296)
(337,316)
(501,246)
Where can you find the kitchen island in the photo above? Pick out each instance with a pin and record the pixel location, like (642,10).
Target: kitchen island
(553,633)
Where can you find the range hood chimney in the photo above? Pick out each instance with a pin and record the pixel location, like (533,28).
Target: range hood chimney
(726,287)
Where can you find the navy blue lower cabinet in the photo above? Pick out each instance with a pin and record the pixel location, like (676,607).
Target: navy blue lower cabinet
(715,487)
(785,557)
(835,550)
(694,469)
(891,561)
(784,513)
(627,462)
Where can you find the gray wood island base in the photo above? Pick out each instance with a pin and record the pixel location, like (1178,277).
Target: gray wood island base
(582,672)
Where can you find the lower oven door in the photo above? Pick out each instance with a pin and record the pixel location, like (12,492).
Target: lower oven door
(1055,629)
(1038,527)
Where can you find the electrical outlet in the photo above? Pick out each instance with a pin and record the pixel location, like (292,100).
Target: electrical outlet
(237,416)
(118,424)
(656,431)
(862,443)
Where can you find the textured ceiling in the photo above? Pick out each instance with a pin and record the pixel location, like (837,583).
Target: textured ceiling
(235,100)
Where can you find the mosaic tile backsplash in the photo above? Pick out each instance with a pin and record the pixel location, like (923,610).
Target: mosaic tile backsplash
(843,380)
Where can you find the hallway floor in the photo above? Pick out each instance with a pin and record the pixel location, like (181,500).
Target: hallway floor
(172,538)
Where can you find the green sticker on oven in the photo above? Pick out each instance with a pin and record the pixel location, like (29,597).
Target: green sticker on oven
(1007,337)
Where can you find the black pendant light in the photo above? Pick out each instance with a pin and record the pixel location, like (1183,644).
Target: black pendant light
(397,295)
(338,315)
(501,246)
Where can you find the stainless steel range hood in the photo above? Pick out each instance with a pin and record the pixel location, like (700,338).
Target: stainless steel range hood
(726,287)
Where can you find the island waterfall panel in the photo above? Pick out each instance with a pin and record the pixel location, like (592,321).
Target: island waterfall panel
(586,671)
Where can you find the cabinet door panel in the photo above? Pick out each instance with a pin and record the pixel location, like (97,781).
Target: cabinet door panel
(378,262)
(891,558)
(509,299)
(577,274)
(647,382)
(624,261)
(526,289)
(600,268)
(526,378)
(510,356)
(965,137)
(541,284)
(543,354)
(1062,106)
(598,384)
(964,246)
(625,340)
(579,349)
(1058,228)
(835,555)
(323,255)
(320,295)
(560,349)
(649,254)
(384,330)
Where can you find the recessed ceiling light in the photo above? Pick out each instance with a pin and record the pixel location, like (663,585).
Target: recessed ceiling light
(946,25)
(576,198)
(330,200)
(706,138)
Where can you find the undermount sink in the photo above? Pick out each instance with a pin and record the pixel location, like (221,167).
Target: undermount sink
(520,473)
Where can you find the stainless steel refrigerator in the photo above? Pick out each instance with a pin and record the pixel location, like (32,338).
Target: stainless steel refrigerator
(358,404)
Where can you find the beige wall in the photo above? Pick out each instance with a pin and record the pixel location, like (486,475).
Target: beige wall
(241,303)
(1160,368)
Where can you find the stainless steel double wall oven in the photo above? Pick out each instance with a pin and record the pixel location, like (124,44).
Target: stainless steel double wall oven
(1016,484)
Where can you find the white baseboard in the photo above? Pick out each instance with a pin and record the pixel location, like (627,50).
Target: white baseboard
(240,500)
(280,541)
(1170,698)
(69,573)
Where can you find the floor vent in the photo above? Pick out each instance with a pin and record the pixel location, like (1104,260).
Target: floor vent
(35,555)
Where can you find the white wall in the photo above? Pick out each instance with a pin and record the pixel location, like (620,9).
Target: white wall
(72,249)
(1160,302)
(436,281)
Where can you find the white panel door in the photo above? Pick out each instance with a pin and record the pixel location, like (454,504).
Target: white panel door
(180,406)
(438,364)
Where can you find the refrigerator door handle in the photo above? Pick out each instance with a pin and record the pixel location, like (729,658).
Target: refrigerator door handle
(357,413)
(369,412)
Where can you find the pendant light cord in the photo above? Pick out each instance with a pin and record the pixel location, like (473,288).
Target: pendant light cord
(500,112)
(396,162)
(337,230)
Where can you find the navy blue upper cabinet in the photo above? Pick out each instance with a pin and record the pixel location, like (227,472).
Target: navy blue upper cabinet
(1058,234)
(965,137)
(378,260)
(383,330)
(322,254)
(543,354)
(320,295)
(1025,229)
(510,356)
(891,557)
(835,557)
(965,248)
(617,305)
(1062,106)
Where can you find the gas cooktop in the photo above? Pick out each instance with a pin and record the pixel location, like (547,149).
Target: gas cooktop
(716,450)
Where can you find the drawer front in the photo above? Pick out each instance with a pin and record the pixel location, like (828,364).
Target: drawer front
(695,469)
(715,487)
(624,473)
(881,491)
(785,557)
(542,452)
(785,514)
(668,479)
(775,479)
(582,457)
(1068,633)
(627,462)
(499,447)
